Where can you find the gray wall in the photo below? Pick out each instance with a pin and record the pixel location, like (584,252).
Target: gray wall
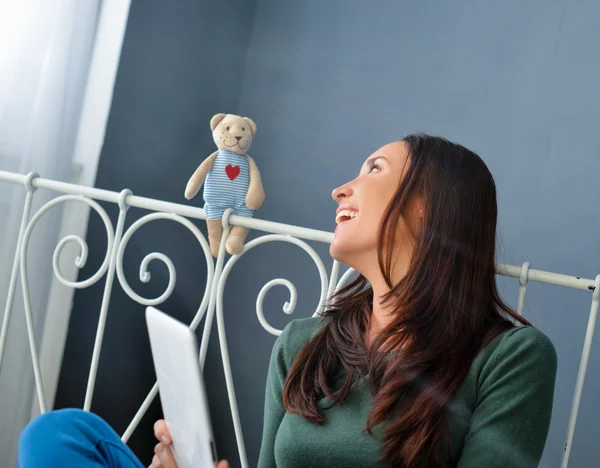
(328,83)
(171,80)
(516,81)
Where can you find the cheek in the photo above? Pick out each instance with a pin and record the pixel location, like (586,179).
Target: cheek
(372,213)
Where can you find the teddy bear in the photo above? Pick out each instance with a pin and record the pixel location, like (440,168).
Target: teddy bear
(231,180)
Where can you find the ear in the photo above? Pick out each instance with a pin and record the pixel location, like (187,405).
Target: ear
(420,207)
(215,121)
(251,124)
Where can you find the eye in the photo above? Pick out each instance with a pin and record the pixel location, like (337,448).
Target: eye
(227,128)
(243,129)
(373,166)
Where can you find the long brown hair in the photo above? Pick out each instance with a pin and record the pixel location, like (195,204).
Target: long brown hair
(446,309)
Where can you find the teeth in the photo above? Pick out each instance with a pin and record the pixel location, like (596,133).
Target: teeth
(345,214)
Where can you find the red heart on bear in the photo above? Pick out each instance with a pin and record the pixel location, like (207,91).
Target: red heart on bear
(232,171)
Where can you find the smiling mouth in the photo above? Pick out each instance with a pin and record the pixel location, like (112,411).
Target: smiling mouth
(235,144)
(345,215)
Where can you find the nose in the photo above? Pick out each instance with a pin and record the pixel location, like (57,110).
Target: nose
(238,138)
(342,192)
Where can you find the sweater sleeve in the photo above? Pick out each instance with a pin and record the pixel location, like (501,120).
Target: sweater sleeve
(274,409)
(512,413)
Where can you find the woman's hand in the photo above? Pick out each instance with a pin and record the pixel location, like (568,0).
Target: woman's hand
(163,456)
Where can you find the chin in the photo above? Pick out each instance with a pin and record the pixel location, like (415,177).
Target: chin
(335,253)
(353,251)
(343,252)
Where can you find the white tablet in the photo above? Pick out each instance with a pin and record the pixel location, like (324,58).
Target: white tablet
(181,389)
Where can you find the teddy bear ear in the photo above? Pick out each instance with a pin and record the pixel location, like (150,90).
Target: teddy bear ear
(251,124)
(215,121)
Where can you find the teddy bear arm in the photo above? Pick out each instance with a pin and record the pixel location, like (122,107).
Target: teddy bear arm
(256,193)
(197,179)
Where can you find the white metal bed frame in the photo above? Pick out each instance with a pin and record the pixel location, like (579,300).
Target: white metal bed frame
(217,274)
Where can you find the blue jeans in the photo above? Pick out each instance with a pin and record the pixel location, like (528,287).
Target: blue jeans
(73,438)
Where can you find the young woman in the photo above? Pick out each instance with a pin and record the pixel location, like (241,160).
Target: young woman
(417,363)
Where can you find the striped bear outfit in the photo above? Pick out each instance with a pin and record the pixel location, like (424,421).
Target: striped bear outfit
(227,184)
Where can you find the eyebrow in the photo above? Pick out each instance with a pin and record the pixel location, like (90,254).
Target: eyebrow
(375,158)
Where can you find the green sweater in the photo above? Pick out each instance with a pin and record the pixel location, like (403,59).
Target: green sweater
(505,401)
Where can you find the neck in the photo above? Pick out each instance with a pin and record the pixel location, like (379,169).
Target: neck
(382,314)
(231,151)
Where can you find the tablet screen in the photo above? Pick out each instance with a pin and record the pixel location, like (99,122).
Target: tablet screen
(181,390)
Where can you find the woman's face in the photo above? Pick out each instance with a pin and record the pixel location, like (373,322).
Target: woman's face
(362,205)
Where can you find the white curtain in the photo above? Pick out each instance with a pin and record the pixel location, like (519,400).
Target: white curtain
(45,51)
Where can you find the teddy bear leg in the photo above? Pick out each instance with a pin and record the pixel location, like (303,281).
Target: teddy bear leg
(235,240)
(215,231)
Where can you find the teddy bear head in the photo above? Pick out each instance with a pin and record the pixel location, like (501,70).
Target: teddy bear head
(232,132)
